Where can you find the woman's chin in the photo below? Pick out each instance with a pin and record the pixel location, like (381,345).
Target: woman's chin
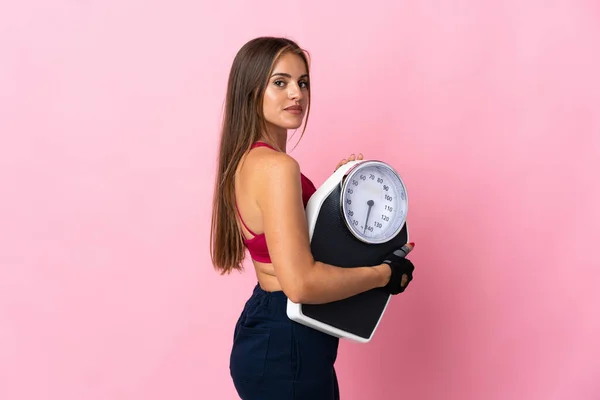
(288,123)
(292,124)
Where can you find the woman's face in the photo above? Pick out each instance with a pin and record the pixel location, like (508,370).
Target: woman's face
(286,95)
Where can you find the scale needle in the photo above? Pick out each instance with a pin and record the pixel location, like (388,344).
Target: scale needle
(370,204)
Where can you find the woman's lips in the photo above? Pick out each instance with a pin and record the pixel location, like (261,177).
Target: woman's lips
(294,109)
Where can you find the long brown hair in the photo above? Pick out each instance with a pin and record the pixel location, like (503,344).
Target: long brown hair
(243,124)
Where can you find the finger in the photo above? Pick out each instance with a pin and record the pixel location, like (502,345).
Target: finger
(339,164)
(404,280)
(360,156)
(352,157)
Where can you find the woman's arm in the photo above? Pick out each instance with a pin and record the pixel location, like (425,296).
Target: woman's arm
(303,279)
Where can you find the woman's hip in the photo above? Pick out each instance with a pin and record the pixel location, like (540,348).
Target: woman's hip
(268,346)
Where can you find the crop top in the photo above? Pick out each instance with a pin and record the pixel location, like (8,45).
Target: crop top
(257,245)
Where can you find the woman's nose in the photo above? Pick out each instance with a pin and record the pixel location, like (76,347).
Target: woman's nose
(295,92)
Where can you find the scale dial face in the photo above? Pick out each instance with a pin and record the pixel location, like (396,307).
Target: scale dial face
(374,202)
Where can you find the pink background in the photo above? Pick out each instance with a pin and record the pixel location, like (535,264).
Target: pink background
(109,114)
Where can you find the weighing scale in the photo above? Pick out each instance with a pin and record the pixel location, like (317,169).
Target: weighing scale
(356,218)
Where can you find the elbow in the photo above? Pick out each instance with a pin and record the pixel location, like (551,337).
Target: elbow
(299,291)
(296,292)
(298,285)
(294,298)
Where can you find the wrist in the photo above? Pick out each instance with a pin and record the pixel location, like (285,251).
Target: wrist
(385,274)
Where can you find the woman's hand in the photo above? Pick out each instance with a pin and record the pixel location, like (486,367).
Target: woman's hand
(345,160)
(401,271)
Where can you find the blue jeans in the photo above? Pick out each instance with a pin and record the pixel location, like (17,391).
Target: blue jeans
(275,358)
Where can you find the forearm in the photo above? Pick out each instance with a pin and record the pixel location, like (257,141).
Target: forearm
(325,283)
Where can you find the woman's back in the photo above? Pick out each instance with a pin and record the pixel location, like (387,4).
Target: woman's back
(252,173)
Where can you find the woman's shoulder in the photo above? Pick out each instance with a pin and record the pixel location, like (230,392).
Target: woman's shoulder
(268,163)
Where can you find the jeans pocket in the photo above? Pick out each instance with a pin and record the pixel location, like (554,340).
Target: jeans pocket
(249,353)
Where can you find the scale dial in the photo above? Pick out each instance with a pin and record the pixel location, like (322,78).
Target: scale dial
(374,202)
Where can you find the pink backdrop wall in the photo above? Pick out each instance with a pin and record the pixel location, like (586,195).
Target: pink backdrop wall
(109,116)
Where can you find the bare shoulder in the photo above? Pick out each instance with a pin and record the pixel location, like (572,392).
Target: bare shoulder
(271,166)
(275,180)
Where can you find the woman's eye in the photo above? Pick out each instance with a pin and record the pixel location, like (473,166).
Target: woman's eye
(279,83)
(303,84)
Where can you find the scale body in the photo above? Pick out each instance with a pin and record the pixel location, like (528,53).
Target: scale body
(339,239)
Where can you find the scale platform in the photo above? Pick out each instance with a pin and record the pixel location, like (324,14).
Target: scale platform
(355,318)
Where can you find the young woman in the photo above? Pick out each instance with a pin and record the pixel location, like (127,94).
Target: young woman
(259,205)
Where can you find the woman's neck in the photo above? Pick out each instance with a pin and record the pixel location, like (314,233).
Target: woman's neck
(277,140)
